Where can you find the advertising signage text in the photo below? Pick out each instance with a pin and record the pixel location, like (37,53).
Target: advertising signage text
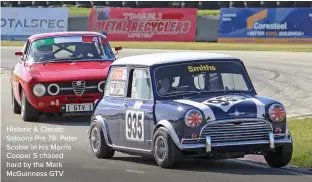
(266,25)
(150,24)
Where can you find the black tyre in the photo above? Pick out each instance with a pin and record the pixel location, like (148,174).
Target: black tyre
(165,151)
(15,105)
(28,112)
(281,157)
(98,143)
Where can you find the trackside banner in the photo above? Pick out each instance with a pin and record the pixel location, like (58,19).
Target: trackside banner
(145,24)
(20,23)
(266,25)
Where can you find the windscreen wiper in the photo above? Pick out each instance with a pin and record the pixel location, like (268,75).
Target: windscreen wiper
(57,60)
(180,92)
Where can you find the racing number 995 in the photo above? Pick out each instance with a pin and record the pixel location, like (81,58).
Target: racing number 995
(135,125)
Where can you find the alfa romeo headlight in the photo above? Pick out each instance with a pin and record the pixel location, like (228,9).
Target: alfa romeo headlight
(39,90)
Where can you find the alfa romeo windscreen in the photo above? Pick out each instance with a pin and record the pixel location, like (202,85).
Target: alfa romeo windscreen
(78,48)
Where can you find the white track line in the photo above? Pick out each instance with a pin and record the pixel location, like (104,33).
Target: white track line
(135,171)
(260,165)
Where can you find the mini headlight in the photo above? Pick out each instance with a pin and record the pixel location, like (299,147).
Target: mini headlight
(277,112)
(193,118)
(101,86)
(39,90)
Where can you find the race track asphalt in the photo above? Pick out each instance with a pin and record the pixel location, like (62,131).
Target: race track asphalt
(281,75)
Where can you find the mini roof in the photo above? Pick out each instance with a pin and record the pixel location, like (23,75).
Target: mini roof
(59,34)
(170,57)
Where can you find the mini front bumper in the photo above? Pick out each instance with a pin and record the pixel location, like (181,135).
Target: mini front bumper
(200,143)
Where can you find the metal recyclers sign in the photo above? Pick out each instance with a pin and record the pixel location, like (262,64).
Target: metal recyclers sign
(145,24)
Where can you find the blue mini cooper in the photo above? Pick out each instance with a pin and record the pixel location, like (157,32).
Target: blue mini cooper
(187,104)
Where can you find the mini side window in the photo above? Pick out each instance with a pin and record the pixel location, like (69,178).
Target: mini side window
(141,87)
(116,82)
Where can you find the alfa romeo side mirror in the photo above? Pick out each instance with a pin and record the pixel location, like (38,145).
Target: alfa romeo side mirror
(18,53)
(118,48)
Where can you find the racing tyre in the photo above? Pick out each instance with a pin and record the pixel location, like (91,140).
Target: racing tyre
(165,151)
(98,143)
(28,112)
(15,105)
(281,157)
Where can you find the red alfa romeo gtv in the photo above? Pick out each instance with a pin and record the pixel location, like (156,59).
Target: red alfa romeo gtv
(60,73)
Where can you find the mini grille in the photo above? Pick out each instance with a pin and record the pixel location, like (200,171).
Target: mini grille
(230,132)
(79,87)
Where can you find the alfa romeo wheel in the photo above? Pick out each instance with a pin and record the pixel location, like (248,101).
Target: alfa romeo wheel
(165,151)
(281,157)
(15,105)
(28,112)
(98,143)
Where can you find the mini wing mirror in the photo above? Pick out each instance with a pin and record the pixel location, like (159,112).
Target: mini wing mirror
(118,48)
(18,53)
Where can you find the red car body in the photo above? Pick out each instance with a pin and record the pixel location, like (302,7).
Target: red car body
(25,75)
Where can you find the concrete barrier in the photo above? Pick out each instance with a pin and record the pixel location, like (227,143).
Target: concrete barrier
(78,23)
(206,29)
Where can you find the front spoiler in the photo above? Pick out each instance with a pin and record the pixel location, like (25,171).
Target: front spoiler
(274,139)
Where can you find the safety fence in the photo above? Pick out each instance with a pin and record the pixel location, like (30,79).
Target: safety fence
(258,25)
(212,5)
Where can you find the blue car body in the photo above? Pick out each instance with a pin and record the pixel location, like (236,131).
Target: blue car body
(234,123)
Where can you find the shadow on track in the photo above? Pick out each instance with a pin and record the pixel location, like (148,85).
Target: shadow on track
(224,166)
(65,120)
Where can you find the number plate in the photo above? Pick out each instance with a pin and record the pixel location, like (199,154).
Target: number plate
(77,107)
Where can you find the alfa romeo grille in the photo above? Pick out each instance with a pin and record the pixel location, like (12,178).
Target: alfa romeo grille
(79,87)
(230,132)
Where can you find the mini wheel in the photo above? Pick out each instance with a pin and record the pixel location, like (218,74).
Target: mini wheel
(281,157)
(28,112)
(165,151)
(15,105)
(98,143)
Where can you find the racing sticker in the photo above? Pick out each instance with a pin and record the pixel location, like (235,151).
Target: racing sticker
(227,102)
(119,74)
(117,88)
(223,102)
(201,68)
(135,125)
(56,40)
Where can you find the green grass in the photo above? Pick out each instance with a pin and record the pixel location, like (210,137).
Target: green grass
(301,130)
(200,46)
(74,11)
(4,73)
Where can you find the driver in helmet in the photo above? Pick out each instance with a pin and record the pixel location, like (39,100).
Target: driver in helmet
(42,53)
(164,85)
